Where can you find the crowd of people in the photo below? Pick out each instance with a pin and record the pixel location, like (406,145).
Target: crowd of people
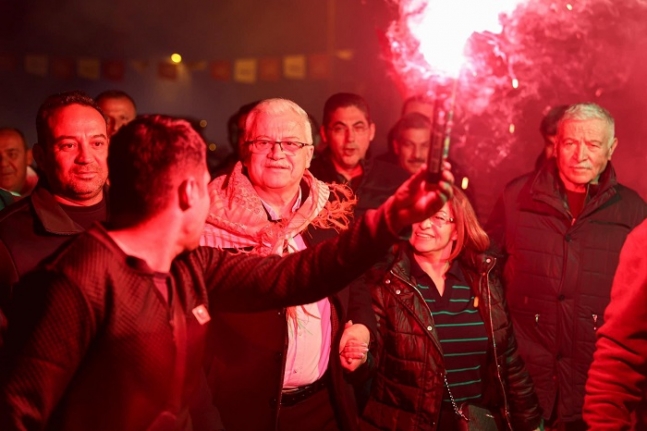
(305,284)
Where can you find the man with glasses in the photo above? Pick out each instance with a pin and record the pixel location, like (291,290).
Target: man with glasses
(347,130)
(286,368)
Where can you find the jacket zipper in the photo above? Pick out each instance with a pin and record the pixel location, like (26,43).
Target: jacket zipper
(496,356)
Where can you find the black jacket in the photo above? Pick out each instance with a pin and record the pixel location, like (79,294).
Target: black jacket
(31,230)
(407,390)
(558,275)
(378,181)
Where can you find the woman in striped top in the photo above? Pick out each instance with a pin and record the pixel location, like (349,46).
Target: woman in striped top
(444,332)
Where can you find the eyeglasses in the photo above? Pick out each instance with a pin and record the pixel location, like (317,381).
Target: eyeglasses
(340,129)
(261,146)
(440,220)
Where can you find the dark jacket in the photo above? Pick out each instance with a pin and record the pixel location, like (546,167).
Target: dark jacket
(247,353)
(408,388)
(378,181)
(90,344)
(30,230)
(558,275)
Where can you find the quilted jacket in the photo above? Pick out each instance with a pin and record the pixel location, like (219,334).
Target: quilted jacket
(408,386)
(558,275)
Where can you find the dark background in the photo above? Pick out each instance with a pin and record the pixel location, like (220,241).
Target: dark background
(211,30)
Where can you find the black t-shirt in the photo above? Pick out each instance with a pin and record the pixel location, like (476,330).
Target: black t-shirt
(84,216)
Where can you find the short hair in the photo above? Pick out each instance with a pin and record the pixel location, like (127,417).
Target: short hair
(233,130)
(413,120)
(548,125)
(422,98)
(345,100)
(18,132)
(115,94)
(55,102)
(588,111)
(276,106)
(144,158)
(471,239)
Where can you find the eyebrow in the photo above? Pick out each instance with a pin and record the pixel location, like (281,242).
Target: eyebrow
(61,138)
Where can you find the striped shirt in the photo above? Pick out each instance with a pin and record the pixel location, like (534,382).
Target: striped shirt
(460,330)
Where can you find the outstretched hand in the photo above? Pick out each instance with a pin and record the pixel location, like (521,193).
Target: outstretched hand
(416,200)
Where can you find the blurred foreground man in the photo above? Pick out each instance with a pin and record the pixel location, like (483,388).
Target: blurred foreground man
(109,335)
(561,229)
(295,378)
(618,374)
(71,152)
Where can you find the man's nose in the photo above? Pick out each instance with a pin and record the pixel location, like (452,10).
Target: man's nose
(581,151)
(84,154)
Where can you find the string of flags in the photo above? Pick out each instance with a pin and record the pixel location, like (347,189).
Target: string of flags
(242,70)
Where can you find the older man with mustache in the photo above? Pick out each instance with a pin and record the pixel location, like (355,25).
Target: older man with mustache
(561,229)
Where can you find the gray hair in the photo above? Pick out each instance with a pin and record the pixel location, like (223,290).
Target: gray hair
(587,111)
(278,106)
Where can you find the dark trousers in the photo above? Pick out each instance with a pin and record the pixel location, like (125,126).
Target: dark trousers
(312,414)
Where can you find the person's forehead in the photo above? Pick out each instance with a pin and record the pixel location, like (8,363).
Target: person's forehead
(348,115)
(278,125)
(596,125)
(10,140)
(69,118)
(116,103)
(416,133)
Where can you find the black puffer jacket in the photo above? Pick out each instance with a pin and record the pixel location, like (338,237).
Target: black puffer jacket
(558,275)
(407,389)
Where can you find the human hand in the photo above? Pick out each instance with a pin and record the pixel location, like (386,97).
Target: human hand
(416,200)
(353,346)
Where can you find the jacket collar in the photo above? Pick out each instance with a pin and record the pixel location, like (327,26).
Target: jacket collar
(548,183)
(50,213)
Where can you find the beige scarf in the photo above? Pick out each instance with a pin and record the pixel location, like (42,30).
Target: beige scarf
(238,220)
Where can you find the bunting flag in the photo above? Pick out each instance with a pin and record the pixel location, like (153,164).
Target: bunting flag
(269,69)
(167,71)
(245,70)
(140,65)
(294,66)
(318,66)
(195,66)
(36,65)
(8,62)
(113,70)
(345,54)
(88,68)
(62,68)
(221,70)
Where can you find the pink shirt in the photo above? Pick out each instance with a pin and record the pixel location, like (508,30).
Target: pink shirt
(309,341)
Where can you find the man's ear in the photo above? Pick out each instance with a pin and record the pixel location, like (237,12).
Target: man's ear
(310,153)
(612,148)
(29,156)
(39,155)
(322,132)
(371,129)
(187,193)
